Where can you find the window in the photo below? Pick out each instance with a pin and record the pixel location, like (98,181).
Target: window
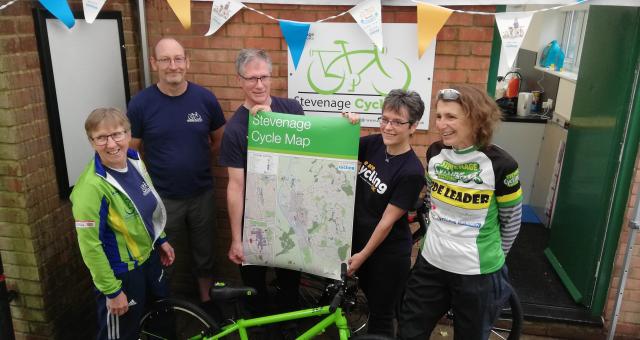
(575,23)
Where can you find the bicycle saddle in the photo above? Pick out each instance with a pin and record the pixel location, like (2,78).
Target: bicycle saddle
(220,291)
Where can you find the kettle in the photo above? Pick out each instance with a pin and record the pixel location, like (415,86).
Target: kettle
(525,100)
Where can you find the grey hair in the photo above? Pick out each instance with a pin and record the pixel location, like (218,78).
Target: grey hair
(249,54)
(398,99)
(105,114)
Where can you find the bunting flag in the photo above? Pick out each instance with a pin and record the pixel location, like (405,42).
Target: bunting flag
(431,18)
(182,9)
(513,27)
(60,9)
(221,11)
(91,9)
(295,34)
(368,14)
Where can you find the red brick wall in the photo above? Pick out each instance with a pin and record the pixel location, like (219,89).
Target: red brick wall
(629,318)
(462,56)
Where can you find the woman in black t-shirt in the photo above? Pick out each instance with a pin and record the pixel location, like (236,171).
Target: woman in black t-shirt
(389,182)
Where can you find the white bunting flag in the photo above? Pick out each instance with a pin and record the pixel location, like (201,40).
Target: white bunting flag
(221,11)
(368,14)
(513,27)
(92,9)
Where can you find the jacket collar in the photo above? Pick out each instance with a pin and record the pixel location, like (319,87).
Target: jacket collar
(100,169)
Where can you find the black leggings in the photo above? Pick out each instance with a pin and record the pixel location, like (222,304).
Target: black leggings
(382,279)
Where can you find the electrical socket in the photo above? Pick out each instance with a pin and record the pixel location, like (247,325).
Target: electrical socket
(547,104)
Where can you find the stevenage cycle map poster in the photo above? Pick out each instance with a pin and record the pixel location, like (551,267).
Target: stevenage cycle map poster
(300,191)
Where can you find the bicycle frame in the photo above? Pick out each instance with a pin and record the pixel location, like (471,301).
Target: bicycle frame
(333,318)
(345,54)
(351,72)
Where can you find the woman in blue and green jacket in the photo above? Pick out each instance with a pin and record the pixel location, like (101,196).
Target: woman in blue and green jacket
(119,221)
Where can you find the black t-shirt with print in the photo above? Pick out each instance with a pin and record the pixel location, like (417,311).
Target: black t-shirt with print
(398,182)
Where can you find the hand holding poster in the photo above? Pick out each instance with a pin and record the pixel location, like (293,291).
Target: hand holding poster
(300,191)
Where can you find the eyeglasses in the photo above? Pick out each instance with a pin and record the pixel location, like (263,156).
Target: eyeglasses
(116,136)
(254,80)
(179,60)
(449,94)
(394,123)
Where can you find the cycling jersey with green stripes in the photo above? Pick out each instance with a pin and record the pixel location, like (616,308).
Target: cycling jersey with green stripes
(475,208)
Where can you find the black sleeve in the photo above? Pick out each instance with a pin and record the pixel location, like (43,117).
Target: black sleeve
(297,108)
(217,116)
(232,153)
(407,190)
(506,171)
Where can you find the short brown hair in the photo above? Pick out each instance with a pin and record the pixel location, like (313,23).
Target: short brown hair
(105,114)
(482,111)
(398,99)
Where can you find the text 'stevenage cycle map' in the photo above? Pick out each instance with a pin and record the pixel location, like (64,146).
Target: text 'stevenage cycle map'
(300,191)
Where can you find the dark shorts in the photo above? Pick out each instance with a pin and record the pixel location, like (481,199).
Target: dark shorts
(193,219)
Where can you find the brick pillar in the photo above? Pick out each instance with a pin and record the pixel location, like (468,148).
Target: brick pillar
(37,238)
(629,320)
(31,215)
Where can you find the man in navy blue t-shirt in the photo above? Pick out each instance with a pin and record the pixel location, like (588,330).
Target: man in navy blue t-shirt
(178,123)
(254,77)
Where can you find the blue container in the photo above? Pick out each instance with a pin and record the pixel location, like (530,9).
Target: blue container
(552,55)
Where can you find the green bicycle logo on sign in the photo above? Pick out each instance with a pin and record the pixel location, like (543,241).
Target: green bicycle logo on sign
(333,71)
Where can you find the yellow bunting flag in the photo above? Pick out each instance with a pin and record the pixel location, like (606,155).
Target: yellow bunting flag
(431,18)
(182,9)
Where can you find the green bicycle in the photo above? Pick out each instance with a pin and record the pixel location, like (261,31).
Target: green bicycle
(342,68)
(187,321)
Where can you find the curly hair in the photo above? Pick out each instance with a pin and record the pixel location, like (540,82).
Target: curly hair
(482,111)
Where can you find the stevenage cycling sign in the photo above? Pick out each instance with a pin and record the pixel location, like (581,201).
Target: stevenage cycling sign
(342,70)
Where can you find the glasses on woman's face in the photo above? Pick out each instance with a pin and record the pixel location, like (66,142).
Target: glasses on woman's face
(394,123)
(449,94)
(116,136)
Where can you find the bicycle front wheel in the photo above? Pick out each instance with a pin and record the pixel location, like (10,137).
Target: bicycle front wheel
(176,319)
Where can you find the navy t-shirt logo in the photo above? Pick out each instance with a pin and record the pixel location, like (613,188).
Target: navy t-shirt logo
(194,117)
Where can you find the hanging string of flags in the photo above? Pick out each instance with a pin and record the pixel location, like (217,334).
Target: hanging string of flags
(431,18)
